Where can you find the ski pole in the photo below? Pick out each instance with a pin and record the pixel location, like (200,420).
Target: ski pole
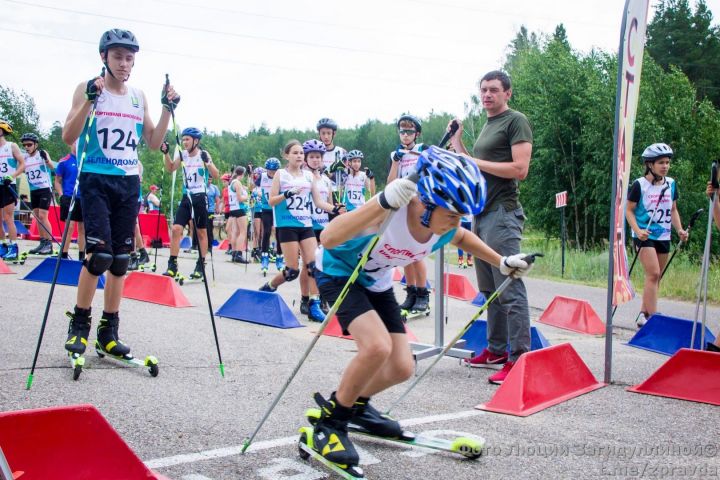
(336,305)
(195,233)
(157,239)
(37,219)
(529,259)
(651,220)
(706,261)
(73,198)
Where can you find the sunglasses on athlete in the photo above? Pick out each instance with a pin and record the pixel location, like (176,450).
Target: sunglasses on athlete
(407,132)
(28,145)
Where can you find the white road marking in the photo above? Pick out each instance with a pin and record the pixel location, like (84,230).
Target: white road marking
(279,442)
(288,469)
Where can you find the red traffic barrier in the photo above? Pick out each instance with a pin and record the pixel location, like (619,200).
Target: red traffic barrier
(688,375)
(4,269)
(458,286)
(56,226)
(36,446)
(541,379)
(154,225)
(149,287)
(333,329)
(572,314)
(224,245)
(397,274)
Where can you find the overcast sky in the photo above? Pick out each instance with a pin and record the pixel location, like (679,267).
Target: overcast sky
(286,63)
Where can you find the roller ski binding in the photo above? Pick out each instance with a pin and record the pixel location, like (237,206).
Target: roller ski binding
(327,441)
(134,263)
(420,307)
(109,345)
(195,277)
(172,268)
(78,332)
(144,260)
(264,263)
(13,255)
(368,421)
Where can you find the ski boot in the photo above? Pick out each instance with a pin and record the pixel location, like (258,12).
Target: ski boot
(37,248)
(315,313)
(172,268)
(368,418)
(134,263)
(470,261)
(267,288)
(197,274)
(143,258)
(76,342)
(238,257)
(107,341)
(304,305)
(422,303)
(12,254)
(461,262)
(46,247)
(280,262)
(255,255)
(3,249)
(264,263)
(330,434)
(409,301)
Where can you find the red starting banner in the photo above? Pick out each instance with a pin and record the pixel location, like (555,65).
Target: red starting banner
(561,199)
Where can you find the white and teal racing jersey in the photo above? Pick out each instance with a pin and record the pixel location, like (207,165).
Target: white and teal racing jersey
(36,171)
(266,182)
(115,134)
(233,199)
(396,248)
(319,216)
(294,211)
(354,191)
(8,164)
(196,173)
(646,195)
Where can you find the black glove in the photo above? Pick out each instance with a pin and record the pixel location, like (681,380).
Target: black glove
(369,173)
(91,90)
(337,207)
(337,166)
(164,147)
(204,156)
(167,103)
(288,193)
(44,155)
(397,155)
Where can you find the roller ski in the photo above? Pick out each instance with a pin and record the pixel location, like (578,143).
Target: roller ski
(108,345)
(368,421)
(264,263)
(76,342)
(144,261)
(420,308)
(172,268)
(13,256)
(133,265)
(280,262)
(327,441)
(195,277)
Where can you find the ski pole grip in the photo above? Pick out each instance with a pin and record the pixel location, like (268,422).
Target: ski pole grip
(714,175)
(694,217)
(453,128)
(531,258)
(414,177)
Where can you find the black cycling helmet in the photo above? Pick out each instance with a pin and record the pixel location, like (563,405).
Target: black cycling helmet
(118,38)
(29,136)
(410,118)
(327,123)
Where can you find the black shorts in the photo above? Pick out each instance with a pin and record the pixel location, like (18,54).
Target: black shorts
(41,199)
(317,235)
(199,207)
(109,207)
(236,213)
(360,300)
(660,246)
(257,214)
(293,234)
(7,195)
(76,215)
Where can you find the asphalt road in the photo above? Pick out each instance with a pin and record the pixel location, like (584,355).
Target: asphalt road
(189,423)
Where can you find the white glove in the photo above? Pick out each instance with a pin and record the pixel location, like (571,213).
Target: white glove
(397,193)
(514,265)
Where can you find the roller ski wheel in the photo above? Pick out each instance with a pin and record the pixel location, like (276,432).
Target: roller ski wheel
(468,447)
(150,361)
(148,267)
(180,279)
(306,449)
(77,362)
(412,314)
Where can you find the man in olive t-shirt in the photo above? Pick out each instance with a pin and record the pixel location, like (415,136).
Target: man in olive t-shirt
(502,151)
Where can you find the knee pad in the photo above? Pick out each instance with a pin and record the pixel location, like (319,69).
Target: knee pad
(311,269)
(290,274)
(120,264)
(98,263)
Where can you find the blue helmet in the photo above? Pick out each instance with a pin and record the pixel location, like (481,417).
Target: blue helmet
(272,163)
(450,181)
(355,154)
(192,132)
(314,146)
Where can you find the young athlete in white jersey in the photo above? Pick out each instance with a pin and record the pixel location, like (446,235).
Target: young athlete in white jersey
(109,181)
(292,196)
(449,187)
(265,182)
(403,163)
(651,211)
(38,166)
(238,214)
(357,182)
(197,165)
(12,165)
(333,157)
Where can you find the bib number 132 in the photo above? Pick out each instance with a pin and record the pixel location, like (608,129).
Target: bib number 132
(119,139)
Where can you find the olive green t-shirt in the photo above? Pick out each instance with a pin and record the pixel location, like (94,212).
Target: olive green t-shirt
(494,144)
